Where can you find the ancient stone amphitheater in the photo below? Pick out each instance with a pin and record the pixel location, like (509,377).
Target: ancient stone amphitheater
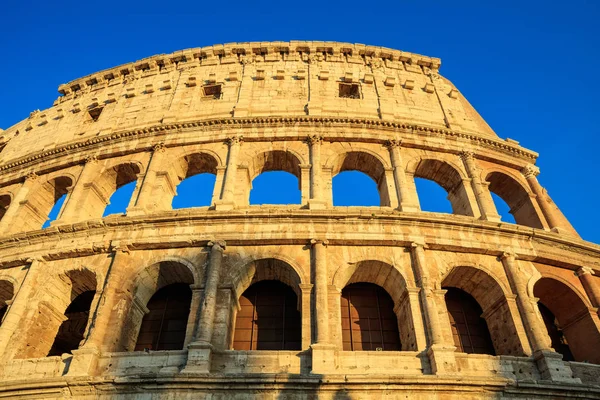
(303,301)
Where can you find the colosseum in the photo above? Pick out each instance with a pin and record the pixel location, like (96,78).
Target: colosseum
(292,301)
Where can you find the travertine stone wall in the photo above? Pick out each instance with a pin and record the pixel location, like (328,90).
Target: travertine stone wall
(313,109)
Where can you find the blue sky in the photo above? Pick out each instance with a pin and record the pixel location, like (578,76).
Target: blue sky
(527,67)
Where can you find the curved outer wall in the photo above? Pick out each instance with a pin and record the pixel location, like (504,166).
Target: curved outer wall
(313,109)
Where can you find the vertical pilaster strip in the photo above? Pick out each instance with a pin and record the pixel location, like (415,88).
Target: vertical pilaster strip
(14,209)
(427,296)
(591,285)
(482,193)
(142,201)
(74,210)
(319,248)
(19,304)
(535,330)
(228,191)
(211,286)
(402,189)
(306,290)
(316,172)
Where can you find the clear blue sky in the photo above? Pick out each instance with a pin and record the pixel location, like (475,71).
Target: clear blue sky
(527,67)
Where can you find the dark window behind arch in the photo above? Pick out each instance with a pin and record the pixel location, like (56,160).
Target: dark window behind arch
(559,342)
(165,325)
(71,331)
(268,318)
(469,329)
(368,319)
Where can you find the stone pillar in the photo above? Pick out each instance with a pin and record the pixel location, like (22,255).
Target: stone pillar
(305,184)
(20,304)
(15,210)
(405,197)
(306,291)
(147,199)
(441,355)
(219,179)
(75,208)
(482,193)
(549,362)
(227,201)
(197,295)
(556,221)
(317,200)
(591,285)
(200,350)
(323,352)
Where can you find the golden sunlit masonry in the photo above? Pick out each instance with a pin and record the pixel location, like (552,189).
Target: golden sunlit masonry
(284,301)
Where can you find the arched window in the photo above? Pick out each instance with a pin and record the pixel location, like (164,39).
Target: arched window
(195,191)
(354,188)
(557,337)
(119,200)
(275,187)
(55,210)
(432,197)
(446,176)
(51,198)
(268,318)
(4,203)
(368,319)
(570,324)
(516,197)
(275,178)
(503,209)
(197,175)
(354,173)
(71,331)
(164,326)
(469,329)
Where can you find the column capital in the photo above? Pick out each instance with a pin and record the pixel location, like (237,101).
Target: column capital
(466,155)
(159,147)
(393,143)
(92,159)
(508,255)
(218,245)
(530,171)
(232,140)
(418,244)
(117,246)
(31,177)
(314,139)
(324,242)
(584,271)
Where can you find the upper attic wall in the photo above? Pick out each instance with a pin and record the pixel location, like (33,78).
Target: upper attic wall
(255,79)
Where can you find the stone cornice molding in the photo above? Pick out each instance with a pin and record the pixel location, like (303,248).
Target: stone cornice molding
(117,137)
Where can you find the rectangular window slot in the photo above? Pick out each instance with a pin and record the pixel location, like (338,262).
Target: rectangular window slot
(349,91)
(213,91)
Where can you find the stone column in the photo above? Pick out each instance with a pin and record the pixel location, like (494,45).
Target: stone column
(323,352)
(549,362)
(306,290)
(405,198)
(591,285)
(228,199)
(200,350)
(441,355)
(15,209)
(146,200)
(75,209)
(482,193)
(317,200)
(556,221)
(19,305)
(305,184)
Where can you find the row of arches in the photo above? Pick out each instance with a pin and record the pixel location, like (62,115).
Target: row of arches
(375,311)
(276,177)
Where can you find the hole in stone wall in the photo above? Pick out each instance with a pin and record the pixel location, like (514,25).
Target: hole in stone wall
(349,91)
(213,91)
(95,113)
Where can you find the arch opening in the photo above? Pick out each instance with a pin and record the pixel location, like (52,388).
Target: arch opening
(268,318)
(5,201)
(572,318)
(446,176)
(503,209)
(496,311)
(164,325)
(275,169)
(367,164)
(368,319)
(116,186)
(432,196)
(516,197)
(6,295)
(355,188)
(197,176)
(469,330)
(50,199)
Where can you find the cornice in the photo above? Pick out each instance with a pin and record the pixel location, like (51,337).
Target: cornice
(495,144)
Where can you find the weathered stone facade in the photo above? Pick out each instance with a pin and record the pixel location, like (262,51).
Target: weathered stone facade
(313,109)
